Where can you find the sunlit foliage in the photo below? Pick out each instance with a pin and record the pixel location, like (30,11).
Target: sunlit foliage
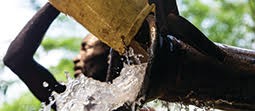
(68,43)
(225,21)
(26,102)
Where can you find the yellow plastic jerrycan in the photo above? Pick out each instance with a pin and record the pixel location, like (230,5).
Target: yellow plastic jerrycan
(115,22)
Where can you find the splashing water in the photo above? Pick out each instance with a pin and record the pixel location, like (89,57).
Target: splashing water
(87,94)
(132,57)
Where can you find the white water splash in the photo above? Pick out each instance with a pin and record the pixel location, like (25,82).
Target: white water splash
(87,94)
(132,57)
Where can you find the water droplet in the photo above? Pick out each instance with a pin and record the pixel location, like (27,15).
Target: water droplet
(45,84)
(68,77)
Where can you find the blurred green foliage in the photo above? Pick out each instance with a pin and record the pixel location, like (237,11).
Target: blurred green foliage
(64,65)
(67,43)
(70,45)
(226,21)
(26,102)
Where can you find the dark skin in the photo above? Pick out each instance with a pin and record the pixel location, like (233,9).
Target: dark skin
(169,22)
(92,59)
(19,57)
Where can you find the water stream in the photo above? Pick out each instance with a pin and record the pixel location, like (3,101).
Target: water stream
(87,94)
